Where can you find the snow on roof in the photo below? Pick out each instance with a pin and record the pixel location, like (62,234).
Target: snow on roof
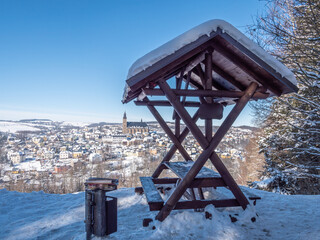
(207,28)
(137,124)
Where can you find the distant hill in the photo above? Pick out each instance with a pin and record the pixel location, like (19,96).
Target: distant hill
(35,120)
(100,124)
(248,127)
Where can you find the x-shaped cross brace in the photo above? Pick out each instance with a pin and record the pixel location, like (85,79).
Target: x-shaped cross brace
(208,147)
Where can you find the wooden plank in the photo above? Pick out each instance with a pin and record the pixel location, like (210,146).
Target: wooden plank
(194,204)
(155,206)
(165,180)
(164,103)
(182,168)
(150,190)
(197,182)
(205,93)
(203,203)
(207,182)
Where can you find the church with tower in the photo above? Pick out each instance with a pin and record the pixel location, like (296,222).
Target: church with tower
(133,127)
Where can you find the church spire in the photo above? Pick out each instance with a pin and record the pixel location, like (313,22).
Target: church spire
(124,123)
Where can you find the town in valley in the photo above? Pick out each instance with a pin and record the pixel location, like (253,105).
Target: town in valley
(57,157)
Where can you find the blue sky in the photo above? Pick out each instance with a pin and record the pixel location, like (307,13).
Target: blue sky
(68,60)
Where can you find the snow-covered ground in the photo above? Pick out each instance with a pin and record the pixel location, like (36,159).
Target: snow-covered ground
(38,215)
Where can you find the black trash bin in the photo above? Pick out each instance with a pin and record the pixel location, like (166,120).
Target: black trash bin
(112,214)
(101,210)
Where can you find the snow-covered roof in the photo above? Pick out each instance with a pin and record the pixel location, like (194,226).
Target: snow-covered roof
(206,29)
(216,31)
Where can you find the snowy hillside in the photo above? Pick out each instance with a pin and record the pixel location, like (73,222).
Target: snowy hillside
(38,215)
(13,127)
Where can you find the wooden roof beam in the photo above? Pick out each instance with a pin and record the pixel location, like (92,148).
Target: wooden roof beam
(195,83)
(164,103)
(240,63)
(205,93)
(199,72)
(228,77)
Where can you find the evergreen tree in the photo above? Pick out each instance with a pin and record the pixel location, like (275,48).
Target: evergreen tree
(290,139)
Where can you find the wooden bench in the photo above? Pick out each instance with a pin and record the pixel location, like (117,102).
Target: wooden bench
(181,169)
(154,199)
(156,202)
(205,178)
(250,195)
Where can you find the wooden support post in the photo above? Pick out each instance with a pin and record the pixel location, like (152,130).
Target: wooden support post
(178,86)
(173,148)
(168,131)
(186,87)
(209,147)
(200,73)
(192,194)
(201,193)
(177,126)
(175,115)
(208,86)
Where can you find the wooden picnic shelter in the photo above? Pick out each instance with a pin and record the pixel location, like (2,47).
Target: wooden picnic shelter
(212,65)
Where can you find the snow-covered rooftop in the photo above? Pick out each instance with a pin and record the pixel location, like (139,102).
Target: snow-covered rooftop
(207,28)
(234,54)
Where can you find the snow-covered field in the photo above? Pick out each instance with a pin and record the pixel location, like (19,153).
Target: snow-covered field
(38,215)
(13,127)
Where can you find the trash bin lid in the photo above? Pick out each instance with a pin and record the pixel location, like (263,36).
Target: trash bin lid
(107,184)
